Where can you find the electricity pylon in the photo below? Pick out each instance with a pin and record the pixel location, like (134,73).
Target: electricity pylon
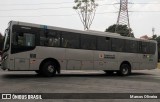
(123,16)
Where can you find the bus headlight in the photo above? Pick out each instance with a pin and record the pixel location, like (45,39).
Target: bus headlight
(5,57)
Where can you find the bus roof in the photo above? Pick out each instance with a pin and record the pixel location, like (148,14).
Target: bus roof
(89,32)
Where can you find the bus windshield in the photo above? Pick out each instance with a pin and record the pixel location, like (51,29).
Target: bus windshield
(6,40)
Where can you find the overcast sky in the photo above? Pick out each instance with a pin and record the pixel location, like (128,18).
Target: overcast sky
(60,13)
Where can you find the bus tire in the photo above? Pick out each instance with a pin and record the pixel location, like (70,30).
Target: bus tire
(125,70)
(49,69)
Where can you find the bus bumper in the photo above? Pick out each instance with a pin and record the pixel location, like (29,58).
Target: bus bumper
(4,65)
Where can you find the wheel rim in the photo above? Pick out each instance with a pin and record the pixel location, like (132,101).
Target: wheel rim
(51,68)
(125,71)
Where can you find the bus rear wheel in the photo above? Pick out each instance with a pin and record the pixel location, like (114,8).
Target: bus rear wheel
(125,70)
(49,69)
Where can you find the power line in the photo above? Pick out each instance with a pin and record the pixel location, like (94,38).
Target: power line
(62,7)
(56,15)
(76,14)
(141,3)
(146,3)
(64,3)
(42,3)
(43,8)
(144,11)
(34,9)
(67,7)
(36,4)
(58,7)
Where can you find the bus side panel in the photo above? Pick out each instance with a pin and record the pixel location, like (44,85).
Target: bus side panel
(87,59)
(99,61)
(20,60)
(104,60)
(73,60)
(132,58)
(148,61)
(58,54)
(79,59)
(34,64)
(11,62)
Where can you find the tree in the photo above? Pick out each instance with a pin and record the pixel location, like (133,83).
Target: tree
(157,38)
(154,37)
(1,41)
(123,30)
(1,36)
(86,10)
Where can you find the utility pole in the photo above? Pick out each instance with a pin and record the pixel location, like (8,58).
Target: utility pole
(123,16)
(153,30)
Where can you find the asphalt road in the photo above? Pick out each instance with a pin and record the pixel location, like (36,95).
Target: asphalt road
(146,81)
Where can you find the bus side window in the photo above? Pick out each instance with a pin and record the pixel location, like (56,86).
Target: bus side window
(65,43)
(140,47)
(103,44)
(131,46)
(51,38)
(25,39)
(145,48)
(118,45)
(88,42)
(70,40)
(152,48)
(29,39)
(20,39)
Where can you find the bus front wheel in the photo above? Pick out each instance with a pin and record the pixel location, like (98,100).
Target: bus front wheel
(49,69)
(125,70)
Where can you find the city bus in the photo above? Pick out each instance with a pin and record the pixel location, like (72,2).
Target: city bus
(47,50)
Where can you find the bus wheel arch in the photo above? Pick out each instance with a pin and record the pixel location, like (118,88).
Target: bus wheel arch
(54,61)
(125,68)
